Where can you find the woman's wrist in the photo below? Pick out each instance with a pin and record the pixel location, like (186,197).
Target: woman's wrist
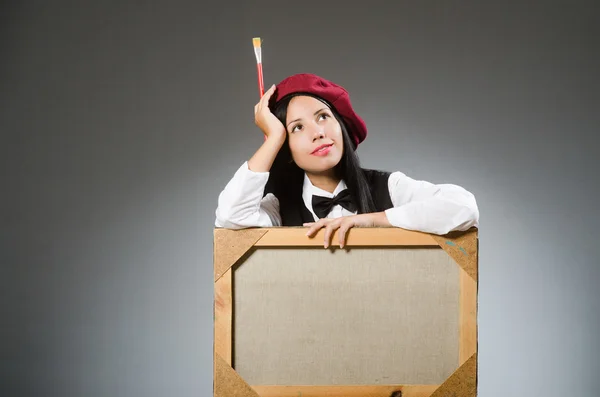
(380,219)
(265,155)
(276,139)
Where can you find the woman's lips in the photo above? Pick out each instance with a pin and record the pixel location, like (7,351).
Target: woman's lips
(323,151)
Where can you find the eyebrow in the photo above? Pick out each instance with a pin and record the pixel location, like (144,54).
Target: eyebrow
(318,111)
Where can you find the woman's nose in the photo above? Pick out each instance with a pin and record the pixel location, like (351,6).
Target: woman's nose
(319,133)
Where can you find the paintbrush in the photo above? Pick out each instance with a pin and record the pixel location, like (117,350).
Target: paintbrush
(257,51)
(256,42)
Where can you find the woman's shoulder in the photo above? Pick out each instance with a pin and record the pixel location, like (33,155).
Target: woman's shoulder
(376,174)
(377,177)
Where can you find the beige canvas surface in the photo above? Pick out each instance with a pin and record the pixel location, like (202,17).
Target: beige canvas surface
(309,316)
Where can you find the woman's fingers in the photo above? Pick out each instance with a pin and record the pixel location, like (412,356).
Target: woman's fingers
(267,95)
(315,227)
(342,225)
(265,98)
(343,232)
(329,229)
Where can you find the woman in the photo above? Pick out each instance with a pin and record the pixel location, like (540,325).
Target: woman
(306,173)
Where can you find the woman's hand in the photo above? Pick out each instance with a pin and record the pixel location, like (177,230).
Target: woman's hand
(266,120)
(344,224)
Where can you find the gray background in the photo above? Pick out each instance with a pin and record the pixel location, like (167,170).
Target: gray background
(121,122)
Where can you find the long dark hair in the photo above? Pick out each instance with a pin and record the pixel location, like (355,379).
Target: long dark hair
(286,178)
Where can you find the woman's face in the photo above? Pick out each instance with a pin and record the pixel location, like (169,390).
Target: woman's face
(314,134)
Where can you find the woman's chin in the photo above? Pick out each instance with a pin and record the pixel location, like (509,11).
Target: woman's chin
(321,166)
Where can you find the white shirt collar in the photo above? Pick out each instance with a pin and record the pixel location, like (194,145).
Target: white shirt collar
(308,189)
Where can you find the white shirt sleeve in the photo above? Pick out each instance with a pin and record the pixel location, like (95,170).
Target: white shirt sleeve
(241,203)
(423,206)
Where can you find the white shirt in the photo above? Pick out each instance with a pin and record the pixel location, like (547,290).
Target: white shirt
(418,205)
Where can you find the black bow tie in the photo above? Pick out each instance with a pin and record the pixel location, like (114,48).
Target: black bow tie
(323,205)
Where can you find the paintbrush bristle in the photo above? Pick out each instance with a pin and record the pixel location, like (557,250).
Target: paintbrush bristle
(256,42)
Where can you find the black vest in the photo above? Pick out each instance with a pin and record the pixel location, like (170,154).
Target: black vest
(294,213)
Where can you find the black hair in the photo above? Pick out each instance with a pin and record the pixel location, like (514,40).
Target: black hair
(286,178)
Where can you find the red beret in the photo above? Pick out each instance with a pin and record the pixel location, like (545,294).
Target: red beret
(337,96)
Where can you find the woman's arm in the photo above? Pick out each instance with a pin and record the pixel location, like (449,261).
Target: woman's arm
(430,208)
(241,204)
(274,132)
(418,205)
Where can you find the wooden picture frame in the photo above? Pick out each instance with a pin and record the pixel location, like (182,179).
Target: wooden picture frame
(231,246)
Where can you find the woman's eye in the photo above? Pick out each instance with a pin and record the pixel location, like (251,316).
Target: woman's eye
(323,116)
(297,127)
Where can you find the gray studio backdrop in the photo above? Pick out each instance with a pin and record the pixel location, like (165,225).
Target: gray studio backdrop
(122,121)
